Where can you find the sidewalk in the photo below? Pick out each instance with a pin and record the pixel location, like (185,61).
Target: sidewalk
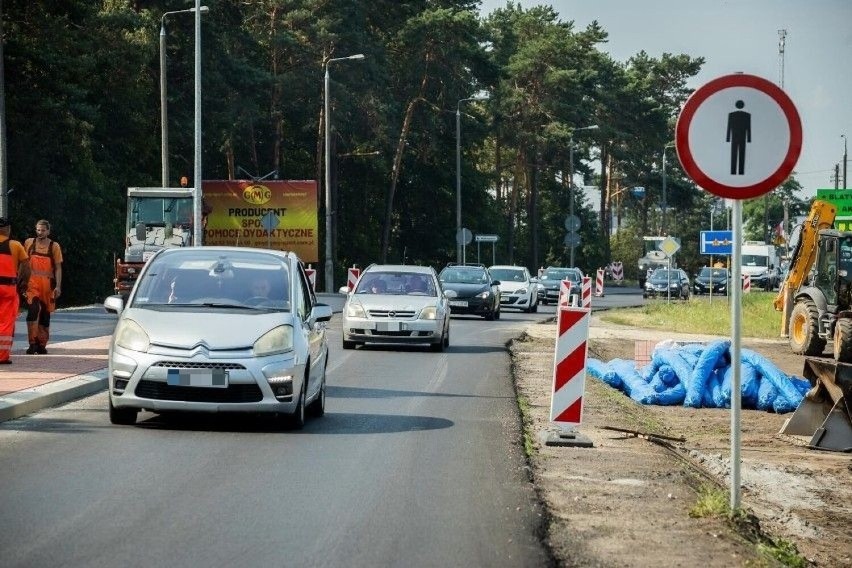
(71,370)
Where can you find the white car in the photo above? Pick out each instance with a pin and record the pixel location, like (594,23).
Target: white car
(517,289)
(397,304)
(199,334)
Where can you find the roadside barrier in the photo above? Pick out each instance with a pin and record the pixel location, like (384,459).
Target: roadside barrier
(569,367)
(311,273)
(599,283)
(352,277)
(617,270)
(586,295)
(565,293)
(746,283)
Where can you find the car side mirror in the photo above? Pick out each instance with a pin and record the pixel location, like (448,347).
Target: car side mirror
(495,283)
(321,312)
(450,294)
(114,304)
(343,290)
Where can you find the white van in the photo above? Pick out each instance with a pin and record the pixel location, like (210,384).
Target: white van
(760,261)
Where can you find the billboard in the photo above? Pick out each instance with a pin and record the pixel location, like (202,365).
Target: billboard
(233,212)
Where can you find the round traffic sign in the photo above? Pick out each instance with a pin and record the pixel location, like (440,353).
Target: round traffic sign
(572,239)
(572,223)
(739,136)
(463,236)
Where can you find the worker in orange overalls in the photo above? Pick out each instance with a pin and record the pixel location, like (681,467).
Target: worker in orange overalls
(14,271)
(44,287)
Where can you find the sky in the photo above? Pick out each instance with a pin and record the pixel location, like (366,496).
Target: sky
(743,36)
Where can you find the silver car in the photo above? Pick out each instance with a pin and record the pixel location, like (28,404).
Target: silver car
(219,329)
(397,304)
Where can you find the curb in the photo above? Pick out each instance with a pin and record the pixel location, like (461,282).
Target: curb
(22,403)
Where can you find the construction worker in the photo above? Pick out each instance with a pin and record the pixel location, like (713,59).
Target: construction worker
(45,286)
(14,272)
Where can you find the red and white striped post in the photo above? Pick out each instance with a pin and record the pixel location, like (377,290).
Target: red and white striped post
(746,283)
(352,277)
(311,273)
(599,283)
(565,293)
(586,293)
(569,376)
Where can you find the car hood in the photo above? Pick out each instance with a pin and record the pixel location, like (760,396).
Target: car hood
(218,329)
(663,281)
(466,290)
(512,286)
(707,279)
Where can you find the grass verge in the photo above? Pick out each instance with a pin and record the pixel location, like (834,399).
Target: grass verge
(701,315)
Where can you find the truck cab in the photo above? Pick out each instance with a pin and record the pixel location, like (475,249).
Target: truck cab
(760,262)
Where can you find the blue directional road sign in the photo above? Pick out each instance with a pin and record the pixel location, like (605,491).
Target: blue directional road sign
(717,242)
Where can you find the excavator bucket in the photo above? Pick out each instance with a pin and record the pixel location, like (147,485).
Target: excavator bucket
(825,411)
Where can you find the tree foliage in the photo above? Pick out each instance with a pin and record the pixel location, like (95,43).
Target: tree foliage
(83,124)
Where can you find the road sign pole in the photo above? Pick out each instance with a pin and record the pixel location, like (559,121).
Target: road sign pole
(736,359)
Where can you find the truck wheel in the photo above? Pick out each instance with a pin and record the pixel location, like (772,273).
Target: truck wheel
(843,340)
(804,329)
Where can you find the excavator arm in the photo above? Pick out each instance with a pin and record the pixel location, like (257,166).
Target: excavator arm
(821,216)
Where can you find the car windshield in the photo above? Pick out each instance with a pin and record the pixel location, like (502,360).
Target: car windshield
(561,274)
(200,276)
(663,274)
(716,272)
(396,283)
(463,276)
(508,274)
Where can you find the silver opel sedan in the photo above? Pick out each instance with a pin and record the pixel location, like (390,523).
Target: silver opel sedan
(397,304)
(219,329)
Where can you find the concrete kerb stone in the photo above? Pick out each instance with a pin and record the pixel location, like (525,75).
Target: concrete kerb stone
(28,401)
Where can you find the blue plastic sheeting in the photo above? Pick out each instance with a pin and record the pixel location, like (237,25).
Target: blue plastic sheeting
(699,376)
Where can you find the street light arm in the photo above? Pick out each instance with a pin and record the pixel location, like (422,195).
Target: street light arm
(203,10)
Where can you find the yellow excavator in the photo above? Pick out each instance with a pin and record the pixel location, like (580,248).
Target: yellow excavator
(816,304)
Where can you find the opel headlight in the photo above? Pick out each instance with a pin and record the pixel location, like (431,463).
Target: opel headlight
(484,295)
(429,313)
(355,310)
(277,340)
(130,335)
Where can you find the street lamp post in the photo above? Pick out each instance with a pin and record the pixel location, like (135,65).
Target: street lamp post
(329,263)
(164,124)
(845,160)
(458,174)
(571,178)
(665,196)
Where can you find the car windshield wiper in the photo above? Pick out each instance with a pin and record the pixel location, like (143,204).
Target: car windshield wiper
(224,305)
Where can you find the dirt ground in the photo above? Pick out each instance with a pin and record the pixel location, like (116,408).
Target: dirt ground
(626,501)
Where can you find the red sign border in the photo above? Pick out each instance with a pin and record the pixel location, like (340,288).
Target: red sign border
(688,113)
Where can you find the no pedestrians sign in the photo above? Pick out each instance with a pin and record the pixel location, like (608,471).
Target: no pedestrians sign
(739,136)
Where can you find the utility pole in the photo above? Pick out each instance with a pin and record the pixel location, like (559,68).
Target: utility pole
(836,176)
(845,160)
(782,38)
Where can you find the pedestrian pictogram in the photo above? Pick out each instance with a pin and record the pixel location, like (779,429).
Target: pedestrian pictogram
(739,136)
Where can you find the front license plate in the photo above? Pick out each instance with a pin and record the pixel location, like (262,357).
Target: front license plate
(211,378)
(459,303)
(388,326)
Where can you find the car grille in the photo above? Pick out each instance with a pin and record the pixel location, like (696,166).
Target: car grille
(198,365)
(392,313)
(234,393)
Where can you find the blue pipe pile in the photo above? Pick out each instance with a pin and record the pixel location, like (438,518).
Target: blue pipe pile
(699,376)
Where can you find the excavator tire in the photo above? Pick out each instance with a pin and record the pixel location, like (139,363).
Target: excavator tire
(804,329)
(843,340)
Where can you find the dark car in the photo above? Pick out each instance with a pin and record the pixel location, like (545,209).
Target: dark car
(719,278)
(477,292)
(551,279)
(665,283)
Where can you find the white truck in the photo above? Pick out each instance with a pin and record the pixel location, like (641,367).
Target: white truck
(760,262)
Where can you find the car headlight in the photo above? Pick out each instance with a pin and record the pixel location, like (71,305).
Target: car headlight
(484,295)
(130,335)
(277,340)
(355,310)
(429,313)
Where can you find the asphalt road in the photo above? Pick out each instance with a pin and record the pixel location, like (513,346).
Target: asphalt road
(418,462)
